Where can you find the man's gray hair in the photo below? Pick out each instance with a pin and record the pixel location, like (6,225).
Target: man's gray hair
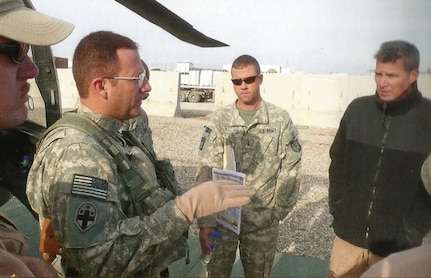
(392,50)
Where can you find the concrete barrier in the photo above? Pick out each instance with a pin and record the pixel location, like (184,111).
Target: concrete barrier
(164,96)
(311,99)
(163,101)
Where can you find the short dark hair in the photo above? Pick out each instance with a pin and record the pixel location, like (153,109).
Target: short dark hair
(392,50)
(96,55)
(246,60)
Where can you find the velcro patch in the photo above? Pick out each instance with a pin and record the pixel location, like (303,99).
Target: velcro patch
(205,135)
(85,216)
(296,146)
(90,186)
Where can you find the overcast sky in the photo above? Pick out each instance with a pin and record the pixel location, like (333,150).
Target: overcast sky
(313,36)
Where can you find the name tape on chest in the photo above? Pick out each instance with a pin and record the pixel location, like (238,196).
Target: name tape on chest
(233,129)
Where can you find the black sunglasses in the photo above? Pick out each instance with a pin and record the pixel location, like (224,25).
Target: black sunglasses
(247,80)
(16,51)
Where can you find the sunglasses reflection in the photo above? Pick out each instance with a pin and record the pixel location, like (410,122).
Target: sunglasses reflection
(16,51)
(247,80)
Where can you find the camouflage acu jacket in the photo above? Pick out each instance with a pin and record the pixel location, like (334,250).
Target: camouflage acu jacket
(267,151)
(75,182)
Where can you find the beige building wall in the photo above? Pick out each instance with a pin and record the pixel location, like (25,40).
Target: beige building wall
(163,100)
(311,99)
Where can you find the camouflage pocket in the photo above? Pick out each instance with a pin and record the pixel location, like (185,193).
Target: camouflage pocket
(156,200)
(166,176)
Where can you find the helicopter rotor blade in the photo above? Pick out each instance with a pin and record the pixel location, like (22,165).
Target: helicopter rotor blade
(159,15)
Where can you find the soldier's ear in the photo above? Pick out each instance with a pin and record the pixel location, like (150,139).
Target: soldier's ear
(99,86)
(413,75)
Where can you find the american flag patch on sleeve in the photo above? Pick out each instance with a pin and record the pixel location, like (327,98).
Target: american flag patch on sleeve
(90,186)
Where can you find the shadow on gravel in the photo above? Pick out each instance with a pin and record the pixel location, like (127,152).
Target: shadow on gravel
(195,113)
(306,230)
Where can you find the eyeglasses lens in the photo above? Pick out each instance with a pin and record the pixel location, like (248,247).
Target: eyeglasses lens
(142,77)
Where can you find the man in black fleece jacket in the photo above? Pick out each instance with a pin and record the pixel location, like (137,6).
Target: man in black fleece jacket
(413,262)
(376,196)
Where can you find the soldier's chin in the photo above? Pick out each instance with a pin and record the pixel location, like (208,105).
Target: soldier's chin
(14,119)
(21,117)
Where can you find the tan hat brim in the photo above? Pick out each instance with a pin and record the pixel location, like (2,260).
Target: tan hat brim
(29,26)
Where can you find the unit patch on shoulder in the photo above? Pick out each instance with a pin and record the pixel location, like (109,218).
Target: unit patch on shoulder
(205,135)
(85,216)
(90,186)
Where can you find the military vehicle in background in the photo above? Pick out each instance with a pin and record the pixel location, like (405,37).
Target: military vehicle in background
(196,84)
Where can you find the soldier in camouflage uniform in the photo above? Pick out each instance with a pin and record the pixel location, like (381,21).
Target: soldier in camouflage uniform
(20,27)
(266,148)
(91,199)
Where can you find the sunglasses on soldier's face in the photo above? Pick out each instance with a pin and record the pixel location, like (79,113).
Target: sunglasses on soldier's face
(17,51)
(247,80)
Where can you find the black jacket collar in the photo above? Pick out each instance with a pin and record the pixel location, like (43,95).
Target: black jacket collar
(401,105)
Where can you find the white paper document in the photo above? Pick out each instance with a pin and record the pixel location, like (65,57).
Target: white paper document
(230,218)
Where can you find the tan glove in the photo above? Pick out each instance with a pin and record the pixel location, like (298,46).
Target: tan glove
(211,197)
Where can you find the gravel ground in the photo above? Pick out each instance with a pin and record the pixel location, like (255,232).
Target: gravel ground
(306,230)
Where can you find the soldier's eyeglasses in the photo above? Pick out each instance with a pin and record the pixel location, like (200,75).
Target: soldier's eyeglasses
(140,78)
(17,51)
(247,80)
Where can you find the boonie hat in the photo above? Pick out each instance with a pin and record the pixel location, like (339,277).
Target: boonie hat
(26,25)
